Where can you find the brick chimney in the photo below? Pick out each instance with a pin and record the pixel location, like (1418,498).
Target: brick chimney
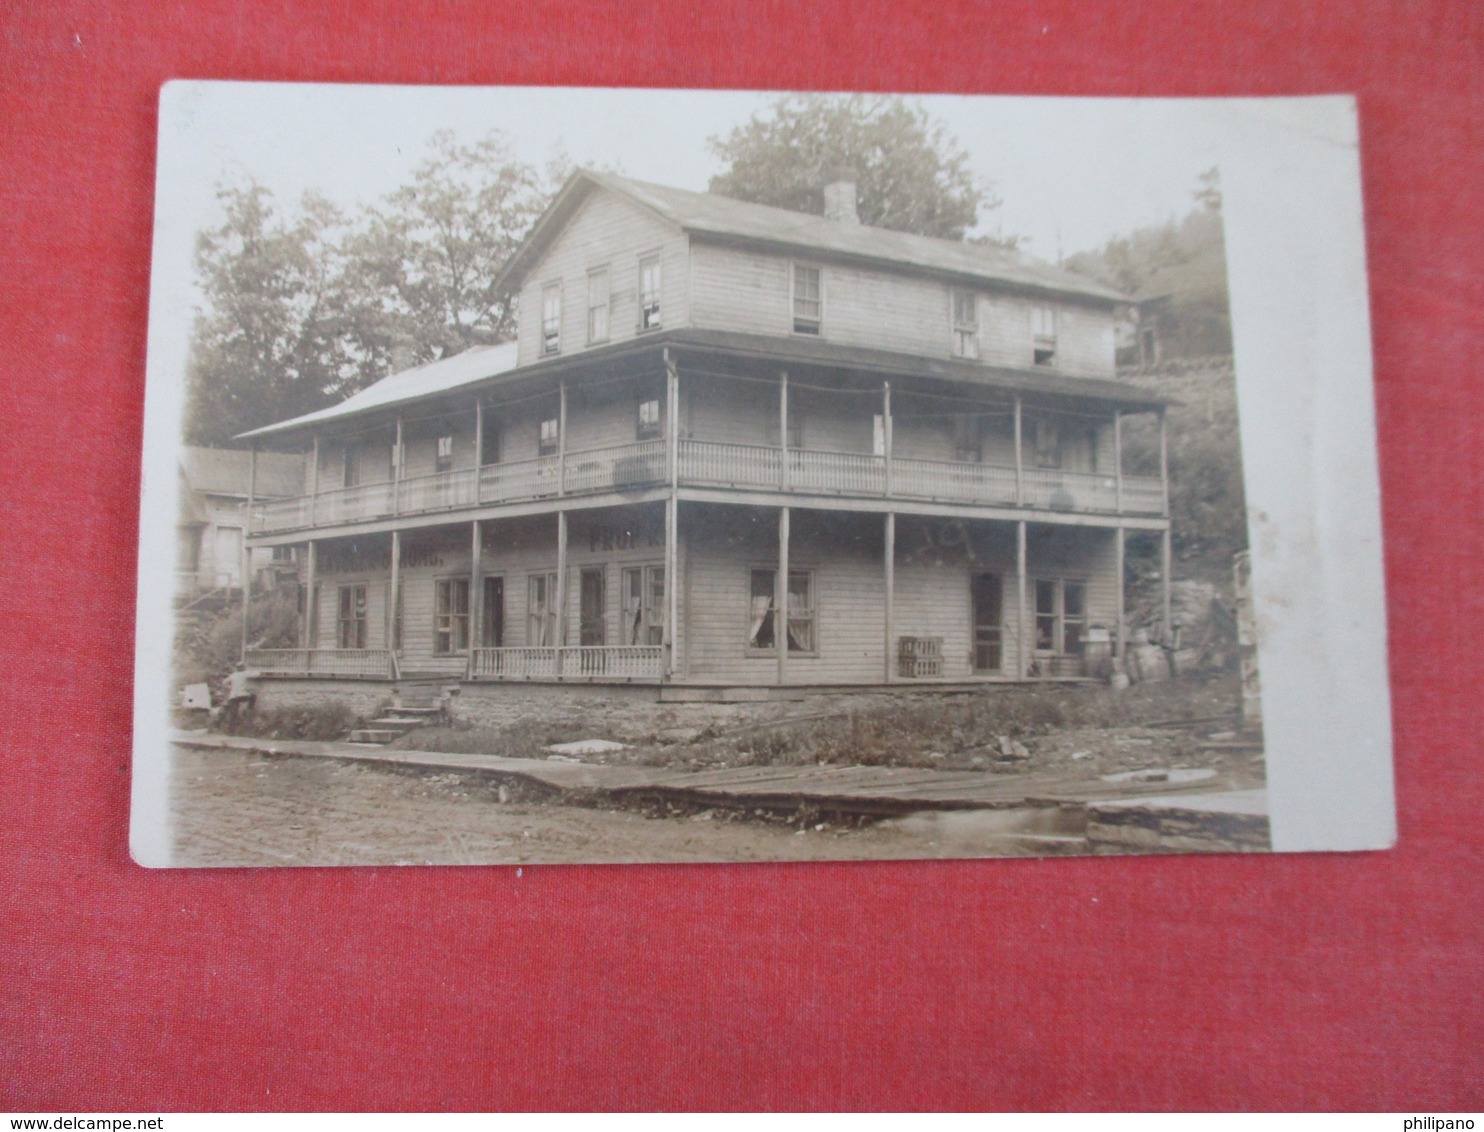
(839,197)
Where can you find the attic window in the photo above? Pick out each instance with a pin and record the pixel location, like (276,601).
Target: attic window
(808,299)
(551,318)
(1043,328)
(649,293)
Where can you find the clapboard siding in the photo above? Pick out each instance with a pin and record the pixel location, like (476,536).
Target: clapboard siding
(606,230)
(738,289)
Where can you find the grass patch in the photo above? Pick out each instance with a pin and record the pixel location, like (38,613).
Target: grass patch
(324,722)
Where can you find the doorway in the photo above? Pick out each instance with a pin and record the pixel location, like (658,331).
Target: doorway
(492,627)
(987,596)
(593,608)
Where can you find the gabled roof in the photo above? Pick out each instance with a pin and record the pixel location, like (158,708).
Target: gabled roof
(721,218)
(226,471)
(473,365)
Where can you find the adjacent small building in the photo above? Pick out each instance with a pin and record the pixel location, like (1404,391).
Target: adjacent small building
(732,446)
(212,516)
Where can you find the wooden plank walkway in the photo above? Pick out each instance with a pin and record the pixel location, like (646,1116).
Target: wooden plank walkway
(845,789)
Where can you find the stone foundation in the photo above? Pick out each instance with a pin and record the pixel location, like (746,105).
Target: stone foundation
(363,698)
(497,704)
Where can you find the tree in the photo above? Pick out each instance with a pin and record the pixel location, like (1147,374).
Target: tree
(424,262)
(270,342)
(910,174)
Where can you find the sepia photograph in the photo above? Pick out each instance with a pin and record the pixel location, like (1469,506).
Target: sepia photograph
(582,476)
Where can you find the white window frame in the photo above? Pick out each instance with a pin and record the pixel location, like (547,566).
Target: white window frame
(651,292)
(805,325)
(450,624)
(757,617)
(965,330)
(359,620)
(643,613)
(549,445)
(443,453)
(1058,618)
(1043,318)
(551,318)
(599,305)
(649,424)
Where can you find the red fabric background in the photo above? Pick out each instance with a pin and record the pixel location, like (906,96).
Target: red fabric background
(1315,981)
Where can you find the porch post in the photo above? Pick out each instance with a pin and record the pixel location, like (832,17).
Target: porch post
(890,557)
(783,428)
(394,598)
(1164,464)
(1019,461)
(1119,613)
(780,598)
(561,589)
(478,443)
(1165,549)
(672,514)
(886,430)
(1166,565)
(246,565)
(562,437)
(1118,456)
(476,591)
(307,629)
(1021,668)
(313,478)
(400,459)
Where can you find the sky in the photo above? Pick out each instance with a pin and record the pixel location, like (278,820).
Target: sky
(1071,172)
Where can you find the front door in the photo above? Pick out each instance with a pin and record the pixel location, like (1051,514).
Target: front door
(492,630)
(592,608)
(987,592)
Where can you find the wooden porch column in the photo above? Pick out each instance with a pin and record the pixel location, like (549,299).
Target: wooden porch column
(394,598)
(783,429)
(780,598)
(1120,615)
(246,565)
(562,437)
(1164,464)
(476,589)
(1019,461)
(400,458)
(1165,550)
(886,431)
(890,558)
(478,444)
(313,478)
(1118,457)
(1166,567)
(307,629)
(561,587)
(672,513)
(1021,667)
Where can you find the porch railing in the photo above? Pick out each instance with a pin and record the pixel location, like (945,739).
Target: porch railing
(375,663)
(568,662)
(704,463)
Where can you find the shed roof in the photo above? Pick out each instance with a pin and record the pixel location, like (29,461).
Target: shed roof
(226,471)
(447,374)
(719,217)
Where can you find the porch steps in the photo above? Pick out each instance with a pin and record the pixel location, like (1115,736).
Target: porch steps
(425,707)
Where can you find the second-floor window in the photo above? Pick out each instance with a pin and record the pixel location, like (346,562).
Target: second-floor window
(551,436)
(965,324)
(350,470)
(808,299)
(1046,436)
(649,418)
(1043,330)
(551,318)
(649,293)
(444,459)
(597,305)
(490,442)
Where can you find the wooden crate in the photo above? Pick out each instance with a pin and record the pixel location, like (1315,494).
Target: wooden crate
(919,657)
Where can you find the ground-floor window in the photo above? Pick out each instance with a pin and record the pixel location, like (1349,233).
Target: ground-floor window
(542,610)
(451,615)
(801,615)
(644,605)
(1061,615)
(351,623)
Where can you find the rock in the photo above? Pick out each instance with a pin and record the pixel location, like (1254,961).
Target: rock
(1081,754)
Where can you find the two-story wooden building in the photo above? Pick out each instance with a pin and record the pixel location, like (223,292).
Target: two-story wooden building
(732,446)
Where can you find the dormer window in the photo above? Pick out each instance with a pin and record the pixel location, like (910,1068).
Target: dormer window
(551,318)
(1043,329)
(965,324)
(597,305)
(808,299)
(649,293)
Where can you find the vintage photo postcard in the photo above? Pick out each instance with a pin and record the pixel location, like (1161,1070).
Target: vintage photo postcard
(566,476)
